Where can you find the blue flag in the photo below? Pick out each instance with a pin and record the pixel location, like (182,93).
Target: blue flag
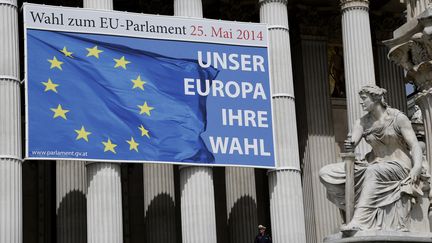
(106,98)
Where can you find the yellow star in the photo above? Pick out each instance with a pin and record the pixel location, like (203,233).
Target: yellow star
(138,83)
(121,62)
(55,63)
(59,112)
(144,132)
(132,144)
(66,52)
(82,133)
(49,85)
(109,146)
(145,109)
(93,52)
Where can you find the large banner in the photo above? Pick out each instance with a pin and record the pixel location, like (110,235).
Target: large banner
(123,87)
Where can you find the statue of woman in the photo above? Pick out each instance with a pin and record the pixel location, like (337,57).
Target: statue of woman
(390,177)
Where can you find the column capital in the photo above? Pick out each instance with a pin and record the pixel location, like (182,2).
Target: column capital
(354,4)
(261,2)
(13,3)
(9,78)
(10,157)
(285,168)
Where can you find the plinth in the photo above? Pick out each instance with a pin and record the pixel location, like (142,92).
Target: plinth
(380,237)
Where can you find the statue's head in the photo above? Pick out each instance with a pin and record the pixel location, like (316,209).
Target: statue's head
(373,93)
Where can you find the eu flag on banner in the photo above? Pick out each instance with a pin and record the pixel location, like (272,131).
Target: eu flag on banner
(104,97)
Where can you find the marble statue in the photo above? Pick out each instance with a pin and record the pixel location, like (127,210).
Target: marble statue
(391,179)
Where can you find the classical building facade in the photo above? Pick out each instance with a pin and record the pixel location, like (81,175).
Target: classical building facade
(321,53)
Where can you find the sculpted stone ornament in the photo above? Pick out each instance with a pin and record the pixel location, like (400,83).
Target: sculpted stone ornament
(417,117)
(391,185)
(415,7)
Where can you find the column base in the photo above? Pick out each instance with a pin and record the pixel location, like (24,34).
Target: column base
(380,236)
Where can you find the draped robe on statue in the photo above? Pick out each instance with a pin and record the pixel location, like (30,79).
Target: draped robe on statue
(383,191)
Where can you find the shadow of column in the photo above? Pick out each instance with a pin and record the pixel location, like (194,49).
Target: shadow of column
(242,220)
(160,219)
(72,217)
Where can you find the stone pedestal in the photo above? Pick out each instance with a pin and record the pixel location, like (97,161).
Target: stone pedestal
(380,237)
(10,126)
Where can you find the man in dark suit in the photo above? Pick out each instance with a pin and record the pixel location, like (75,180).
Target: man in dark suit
(262,237)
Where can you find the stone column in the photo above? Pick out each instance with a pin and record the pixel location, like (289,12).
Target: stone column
(190,8)
(104,198)
(321,139)
(196,183)
(159,203)
(104,203)
(71,175)
(10,126)
(241,200)
(286,197)
(358,59)
(98,4)
(197,204)
(71,186)
(391,78)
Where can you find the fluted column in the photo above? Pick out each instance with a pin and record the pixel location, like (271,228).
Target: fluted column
(391,78)
(159,203)
(321,139)
(190,8)
(358,58)
(71,181)
(241,200)
(286,198)
(104,203)
(104,198)
(197,204)
(308,199)
(98,4)
(10,126)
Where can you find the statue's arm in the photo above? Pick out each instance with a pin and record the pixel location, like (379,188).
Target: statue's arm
(411,139)
(356,133)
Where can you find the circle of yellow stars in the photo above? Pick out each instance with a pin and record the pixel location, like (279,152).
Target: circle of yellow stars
(61,112)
